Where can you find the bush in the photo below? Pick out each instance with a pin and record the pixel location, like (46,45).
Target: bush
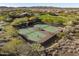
(19,21)
(52,19)
(46,18)
(10,31)
(32,18)
(37,49)
(19,47)
(14,14)
(24,50)
(11,46)
(3,18)
(62,34)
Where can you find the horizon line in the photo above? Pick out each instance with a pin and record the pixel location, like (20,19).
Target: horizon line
(59,5)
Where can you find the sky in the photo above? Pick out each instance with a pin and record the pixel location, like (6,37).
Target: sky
(75,5)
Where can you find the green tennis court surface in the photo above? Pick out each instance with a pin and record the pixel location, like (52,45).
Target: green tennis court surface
(39,33)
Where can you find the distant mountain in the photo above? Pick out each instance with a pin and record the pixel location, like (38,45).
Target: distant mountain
(39,7)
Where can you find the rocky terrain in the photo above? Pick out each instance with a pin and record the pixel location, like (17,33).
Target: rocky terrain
(65,43)
(68,45)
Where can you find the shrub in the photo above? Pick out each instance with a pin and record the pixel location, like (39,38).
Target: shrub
(46,18)
(24,49)
(10,31)
(52,19)
(37,49)
(14,14)
(62,34)
(32,18)
(19,47)
(11,46)
(19,21)
(3,18)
